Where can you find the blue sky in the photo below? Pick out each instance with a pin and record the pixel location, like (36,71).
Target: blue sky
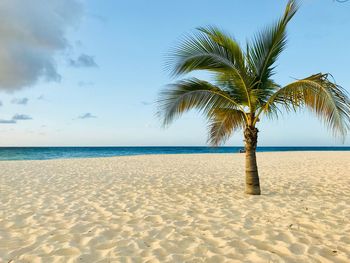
(109,61)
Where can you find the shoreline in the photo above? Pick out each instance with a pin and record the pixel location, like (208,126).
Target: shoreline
(170,154)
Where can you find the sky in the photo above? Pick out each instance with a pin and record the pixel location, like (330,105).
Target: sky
(88,73)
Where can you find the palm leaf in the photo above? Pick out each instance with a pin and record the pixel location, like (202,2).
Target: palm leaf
(210,49)
(199,52)
(192,94)
(329,101)
(237,78)
(233,84)
(222,122)
(261,96)
(268,45)
(228,43)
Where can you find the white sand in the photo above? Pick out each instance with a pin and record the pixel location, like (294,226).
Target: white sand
(176,208)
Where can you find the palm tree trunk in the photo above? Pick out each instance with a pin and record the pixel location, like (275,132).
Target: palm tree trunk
(251,172)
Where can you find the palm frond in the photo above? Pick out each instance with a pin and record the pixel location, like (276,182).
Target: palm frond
(232,83)
(222,122)
(226,42)
(268,45)
(328,100)
(260,96)
(207,49)
(192,94)
(198,52)
(238,78)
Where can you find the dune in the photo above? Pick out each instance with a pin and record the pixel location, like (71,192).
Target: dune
(176,208)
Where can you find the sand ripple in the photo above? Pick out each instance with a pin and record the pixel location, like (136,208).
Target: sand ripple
(176,208)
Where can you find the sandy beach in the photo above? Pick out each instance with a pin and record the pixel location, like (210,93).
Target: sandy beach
(176,208)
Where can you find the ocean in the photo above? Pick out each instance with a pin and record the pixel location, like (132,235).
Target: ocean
(46,153)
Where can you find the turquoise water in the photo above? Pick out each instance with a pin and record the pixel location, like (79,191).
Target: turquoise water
(45,153)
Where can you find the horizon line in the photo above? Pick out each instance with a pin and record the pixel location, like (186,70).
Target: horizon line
(163,146)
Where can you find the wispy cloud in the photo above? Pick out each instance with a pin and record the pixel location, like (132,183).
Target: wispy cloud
(41,97)
(83,61)
(98,17)
(15,118)
(32,32)
(21,117)
(1,103)
(20,101)
(87,115)
(7,121)
(146,103)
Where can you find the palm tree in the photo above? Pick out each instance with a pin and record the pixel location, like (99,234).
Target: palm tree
(243,91)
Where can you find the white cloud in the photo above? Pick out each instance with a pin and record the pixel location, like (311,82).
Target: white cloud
(32,32)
